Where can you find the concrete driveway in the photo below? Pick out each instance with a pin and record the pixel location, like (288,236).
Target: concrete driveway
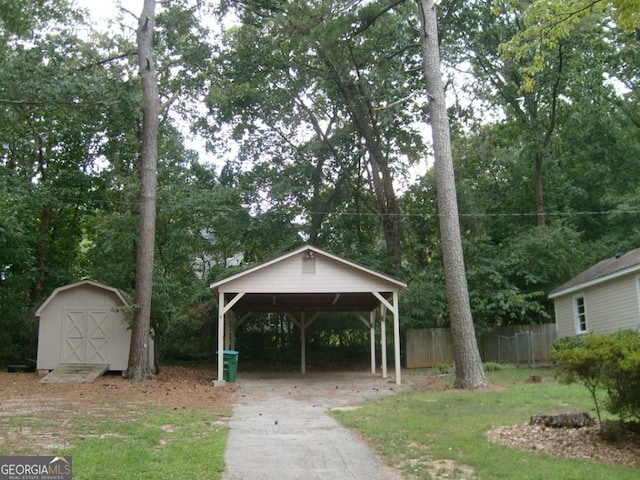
(281,428)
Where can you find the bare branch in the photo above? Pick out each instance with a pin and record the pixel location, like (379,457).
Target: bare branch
(104,61)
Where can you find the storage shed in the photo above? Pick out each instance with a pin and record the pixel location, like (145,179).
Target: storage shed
(80,324)
(604,298)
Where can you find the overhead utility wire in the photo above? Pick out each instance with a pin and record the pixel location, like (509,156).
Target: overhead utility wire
(373,214)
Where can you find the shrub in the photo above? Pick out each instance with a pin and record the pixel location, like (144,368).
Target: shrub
(623,381)
(607,365)
(492,367)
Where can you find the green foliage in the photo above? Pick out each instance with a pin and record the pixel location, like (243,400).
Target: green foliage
(190,332)
(502,288)
(332,341)
(605,364)
(22,18)
(294,90)
(313,94)
(492,366)
(548,23)
(424,303)
(543,258)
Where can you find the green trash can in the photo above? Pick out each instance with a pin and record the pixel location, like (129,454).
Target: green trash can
(230,364)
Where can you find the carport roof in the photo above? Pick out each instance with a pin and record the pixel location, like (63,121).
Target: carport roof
(307,279)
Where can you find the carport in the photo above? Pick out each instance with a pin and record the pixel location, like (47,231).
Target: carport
(303,284)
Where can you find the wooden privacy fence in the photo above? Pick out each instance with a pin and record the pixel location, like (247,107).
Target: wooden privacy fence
(518,344)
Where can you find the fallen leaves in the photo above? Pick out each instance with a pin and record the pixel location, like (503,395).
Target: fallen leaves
(586,443)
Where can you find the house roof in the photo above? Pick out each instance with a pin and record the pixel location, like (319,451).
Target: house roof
(276,286)
(70,286)
(614,267)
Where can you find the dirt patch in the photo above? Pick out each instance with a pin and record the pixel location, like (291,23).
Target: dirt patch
(48,412)
(175,386)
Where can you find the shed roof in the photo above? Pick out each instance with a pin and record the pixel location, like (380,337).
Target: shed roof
(117,292)
(341,285)
(614,267)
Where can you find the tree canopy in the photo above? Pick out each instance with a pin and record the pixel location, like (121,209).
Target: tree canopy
(316,117)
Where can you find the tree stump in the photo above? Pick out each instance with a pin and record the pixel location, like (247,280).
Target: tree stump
(562,420)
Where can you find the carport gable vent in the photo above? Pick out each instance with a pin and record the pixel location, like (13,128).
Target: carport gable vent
(309,262)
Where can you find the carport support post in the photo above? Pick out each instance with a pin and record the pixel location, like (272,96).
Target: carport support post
(372,330)
(221,313)
(393,306)
(383,339)
(230,333)
(371,325)
(303,344)
(396,336)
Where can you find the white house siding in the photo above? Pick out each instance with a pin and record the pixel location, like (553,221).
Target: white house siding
(611,306)
(287,276)
(565,317)
(82,297)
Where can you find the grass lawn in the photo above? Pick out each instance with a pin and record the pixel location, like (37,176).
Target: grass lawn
(128,441)
(425,432)
(158,444)
(173,427)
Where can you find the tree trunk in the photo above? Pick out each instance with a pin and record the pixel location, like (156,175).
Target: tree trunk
(139,366)
(469,372)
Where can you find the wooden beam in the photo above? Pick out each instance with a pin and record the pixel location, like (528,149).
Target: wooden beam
(366,322)
(383,300)
(243,318)
(292,317)
(233,301)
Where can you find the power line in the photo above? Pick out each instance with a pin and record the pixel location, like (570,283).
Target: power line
(210,207)
(503,214)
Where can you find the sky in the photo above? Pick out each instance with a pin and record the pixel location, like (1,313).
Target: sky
(103,9)
(101,12)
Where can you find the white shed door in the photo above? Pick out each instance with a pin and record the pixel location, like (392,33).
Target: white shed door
(85,336)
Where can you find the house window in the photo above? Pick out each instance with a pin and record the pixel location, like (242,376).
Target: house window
(581,315)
